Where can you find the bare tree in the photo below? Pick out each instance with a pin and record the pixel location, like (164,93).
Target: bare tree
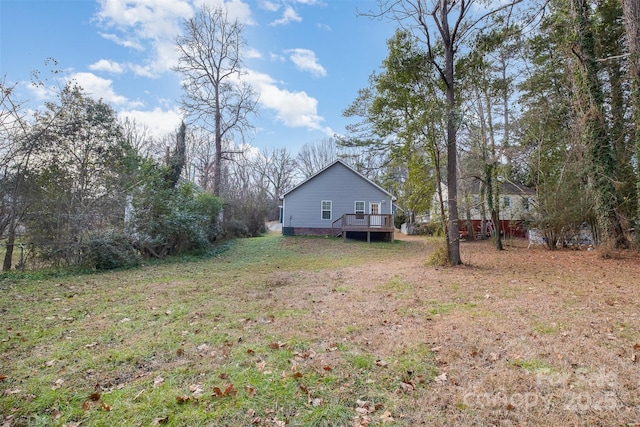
(444,26)
(211,65)
(138,136)
(312,157)
(275,172)
(15,154)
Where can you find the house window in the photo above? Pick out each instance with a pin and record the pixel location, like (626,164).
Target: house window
(525,204)
(359,208)
(506,201)
(326,209)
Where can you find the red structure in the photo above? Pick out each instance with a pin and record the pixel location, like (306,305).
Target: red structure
(508,228)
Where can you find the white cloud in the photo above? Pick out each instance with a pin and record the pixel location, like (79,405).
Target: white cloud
(107,66)
(269,5)
(145,25)
(236,9)
(305,60)
(153,25)
(41,92)
(99,88)
(276,57)
(159,122)
(294,109)
(130,43)
(252,53)
(289,15)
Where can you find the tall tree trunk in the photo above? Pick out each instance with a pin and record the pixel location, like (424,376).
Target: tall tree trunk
(631,10)
(217,165)
(493,202)
(595,133)
(488,146)
(453,243)
(492,174)
(443,213)
(11,241)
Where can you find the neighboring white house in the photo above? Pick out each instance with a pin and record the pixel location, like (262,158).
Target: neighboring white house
(335,201)
(516,207)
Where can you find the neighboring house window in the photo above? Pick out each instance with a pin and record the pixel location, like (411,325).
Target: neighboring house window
(326,209)
(475,207)
(506,201)
(359,209)
(525,204)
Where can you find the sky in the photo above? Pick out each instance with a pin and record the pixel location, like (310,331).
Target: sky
(306,59)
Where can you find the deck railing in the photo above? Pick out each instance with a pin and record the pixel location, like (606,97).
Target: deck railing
(363,222)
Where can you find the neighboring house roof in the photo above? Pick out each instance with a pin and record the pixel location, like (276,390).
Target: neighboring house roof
(328,167)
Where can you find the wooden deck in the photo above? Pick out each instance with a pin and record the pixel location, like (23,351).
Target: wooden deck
(368,223)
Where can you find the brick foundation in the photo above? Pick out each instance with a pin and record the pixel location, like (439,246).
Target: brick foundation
(306,231)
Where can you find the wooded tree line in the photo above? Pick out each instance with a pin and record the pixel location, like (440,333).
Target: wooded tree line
(538,93)
(80,186)
(544,94)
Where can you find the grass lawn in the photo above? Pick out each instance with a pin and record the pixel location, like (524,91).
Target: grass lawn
(319,332)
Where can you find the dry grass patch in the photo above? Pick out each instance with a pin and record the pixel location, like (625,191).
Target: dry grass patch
(307,331)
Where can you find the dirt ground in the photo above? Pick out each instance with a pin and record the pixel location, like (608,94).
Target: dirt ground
(525,336)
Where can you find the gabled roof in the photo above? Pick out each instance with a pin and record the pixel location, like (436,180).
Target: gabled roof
(329,167)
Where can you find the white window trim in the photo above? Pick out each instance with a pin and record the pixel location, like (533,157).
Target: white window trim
(355,206)
(322,210)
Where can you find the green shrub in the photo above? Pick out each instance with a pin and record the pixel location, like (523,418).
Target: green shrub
(427,228)
(110,250)
(169,221)
(399,219)
(245,217)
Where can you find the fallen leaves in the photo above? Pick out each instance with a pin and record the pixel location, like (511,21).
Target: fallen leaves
(55,413)
(277,345)
(161,420)
(197,390)
(251,391)
(366,407)
(10,392)
(407,387)
(183,399)
(95,401)
(364,411)
(157,381)
(386,417)
(442,378)
(229,390)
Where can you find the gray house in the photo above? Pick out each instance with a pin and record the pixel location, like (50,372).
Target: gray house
(338,201)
